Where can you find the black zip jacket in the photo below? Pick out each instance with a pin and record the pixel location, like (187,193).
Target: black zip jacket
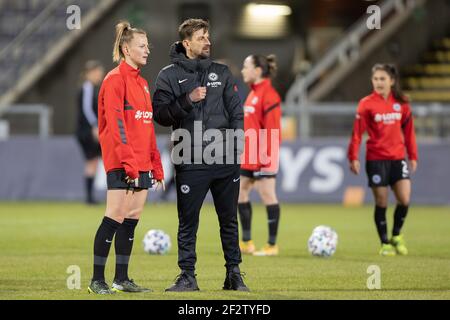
(221,109)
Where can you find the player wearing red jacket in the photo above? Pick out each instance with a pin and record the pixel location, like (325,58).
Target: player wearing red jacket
(262,121)
(386,116)
(130,155)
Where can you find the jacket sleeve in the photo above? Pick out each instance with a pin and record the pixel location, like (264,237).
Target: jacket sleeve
(359,127)
(232,102)
(114,96)
(272,123)
(87,104)
(169,109)
(158,172)
(409,133)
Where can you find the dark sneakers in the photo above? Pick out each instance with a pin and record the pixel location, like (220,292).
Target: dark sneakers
(99,287)
(184,282)
(127,286)
(234,281)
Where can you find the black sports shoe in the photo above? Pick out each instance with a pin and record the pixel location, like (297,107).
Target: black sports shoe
(127,286)
(184,282)
(233,281)
(99,287)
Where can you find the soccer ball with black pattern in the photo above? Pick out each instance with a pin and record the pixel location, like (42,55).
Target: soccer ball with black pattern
(323,241)
(156,242)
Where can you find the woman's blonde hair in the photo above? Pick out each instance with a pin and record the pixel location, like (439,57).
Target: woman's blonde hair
(124,34)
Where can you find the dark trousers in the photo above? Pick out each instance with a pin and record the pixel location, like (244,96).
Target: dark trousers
(192,187)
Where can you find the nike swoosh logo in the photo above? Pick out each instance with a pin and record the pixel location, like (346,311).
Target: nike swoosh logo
(130,239)
(236,180)
(109,241)
(181,81)
(272,221)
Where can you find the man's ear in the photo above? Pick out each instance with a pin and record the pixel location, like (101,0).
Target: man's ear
(186,44)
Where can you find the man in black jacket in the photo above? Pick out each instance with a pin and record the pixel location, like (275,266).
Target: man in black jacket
(199,99)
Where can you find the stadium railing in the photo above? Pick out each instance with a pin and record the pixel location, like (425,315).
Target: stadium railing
(332,119)
(344,56)
(36,38)
(44,116)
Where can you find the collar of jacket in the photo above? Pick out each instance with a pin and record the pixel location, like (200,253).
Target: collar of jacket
(266,82)
(178,56)
(125,68)
(379,96)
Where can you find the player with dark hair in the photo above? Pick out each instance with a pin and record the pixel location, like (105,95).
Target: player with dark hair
(386,116)
(131,157)
(262,111)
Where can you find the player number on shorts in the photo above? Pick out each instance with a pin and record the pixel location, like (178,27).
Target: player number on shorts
(405,171)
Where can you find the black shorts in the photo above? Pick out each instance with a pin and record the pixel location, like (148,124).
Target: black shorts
(90,147)
(383,173)
(115,180)
(257,174)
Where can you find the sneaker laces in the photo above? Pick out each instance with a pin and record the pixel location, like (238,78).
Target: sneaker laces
(131,283)
(240,274)
(103,286)
(102,283)
(243,274)
(182,275)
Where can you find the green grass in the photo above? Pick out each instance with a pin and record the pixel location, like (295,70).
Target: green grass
(38,241)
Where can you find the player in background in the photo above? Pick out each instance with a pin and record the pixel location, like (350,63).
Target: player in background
(262,110)
(87,126)
(386,116)
(130,155)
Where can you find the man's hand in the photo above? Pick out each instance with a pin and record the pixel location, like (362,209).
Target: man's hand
(355,166)
(413,165)
(198,94)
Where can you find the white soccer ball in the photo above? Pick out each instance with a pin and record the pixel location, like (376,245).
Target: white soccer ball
(323,241)
(156,242)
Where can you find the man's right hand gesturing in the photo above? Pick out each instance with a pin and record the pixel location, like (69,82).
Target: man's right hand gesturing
(198,94)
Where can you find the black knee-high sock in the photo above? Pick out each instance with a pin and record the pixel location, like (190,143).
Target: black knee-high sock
(102,244)
(89,181)
(380,221)
(245,215)
(399,218)
(123,245)
(273,216)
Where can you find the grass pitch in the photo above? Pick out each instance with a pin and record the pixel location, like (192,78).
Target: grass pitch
(39,241)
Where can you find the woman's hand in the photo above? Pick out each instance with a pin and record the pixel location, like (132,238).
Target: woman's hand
(355,166)
(132,182)
(413,165)
(160,183)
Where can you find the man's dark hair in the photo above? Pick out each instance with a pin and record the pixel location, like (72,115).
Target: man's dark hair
(190,26)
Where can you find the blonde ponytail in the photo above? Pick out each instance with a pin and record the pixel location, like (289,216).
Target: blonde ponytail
(124,34)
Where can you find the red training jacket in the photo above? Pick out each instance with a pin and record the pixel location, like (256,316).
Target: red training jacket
(126,131)
(262,110)
(390,127)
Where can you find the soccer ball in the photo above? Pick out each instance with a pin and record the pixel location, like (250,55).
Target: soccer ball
(156,242)
(323,241)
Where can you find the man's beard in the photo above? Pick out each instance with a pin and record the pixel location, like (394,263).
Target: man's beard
(204,55)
